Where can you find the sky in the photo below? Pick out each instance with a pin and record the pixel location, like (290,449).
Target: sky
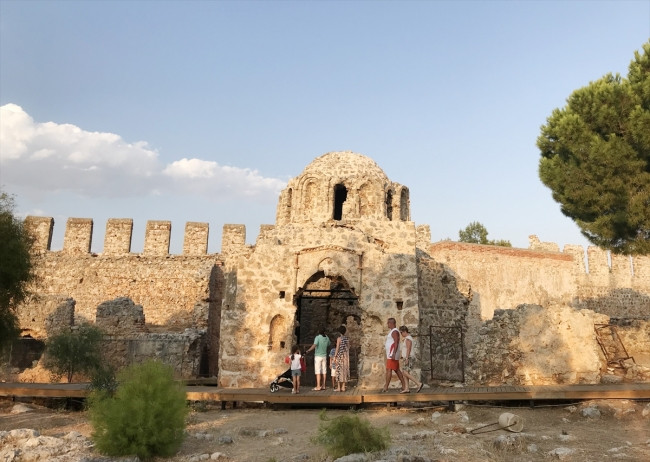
(203,110)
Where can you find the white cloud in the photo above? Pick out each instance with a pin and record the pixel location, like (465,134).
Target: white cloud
(191,168)
(52,157)
(208,177)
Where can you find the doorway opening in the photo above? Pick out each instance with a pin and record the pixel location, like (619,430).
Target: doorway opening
(328,302)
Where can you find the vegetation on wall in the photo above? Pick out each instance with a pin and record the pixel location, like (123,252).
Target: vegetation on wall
(476,233)
(595,158)
(15,268)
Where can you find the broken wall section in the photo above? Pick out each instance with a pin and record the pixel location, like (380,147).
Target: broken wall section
(535,345)
(126,340)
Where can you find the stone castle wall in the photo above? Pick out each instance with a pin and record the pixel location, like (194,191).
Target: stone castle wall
(175,291)
(342,251)
(167,286)
(503,277)
(259,325)
(245,297)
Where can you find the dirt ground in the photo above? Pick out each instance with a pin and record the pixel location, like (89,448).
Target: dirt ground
(585,431)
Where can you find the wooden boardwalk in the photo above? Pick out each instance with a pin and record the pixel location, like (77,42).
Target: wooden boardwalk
(356,396)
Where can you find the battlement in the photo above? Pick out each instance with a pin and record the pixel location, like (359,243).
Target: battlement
(601,263)
(117,240)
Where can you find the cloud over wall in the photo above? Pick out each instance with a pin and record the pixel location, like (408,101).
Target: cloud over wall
(53,157)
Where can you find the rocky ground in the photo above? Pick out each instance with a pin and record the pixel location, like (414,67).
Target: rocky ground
(585,431)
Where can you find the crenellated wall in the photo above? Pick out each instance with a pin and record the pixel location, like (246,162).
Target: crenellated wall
(504,277)
(342,251)
(176,291)
(253,287)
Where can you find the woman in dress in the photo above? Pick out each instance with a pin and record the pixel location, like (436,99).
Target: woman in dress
(408,357)
(342,356)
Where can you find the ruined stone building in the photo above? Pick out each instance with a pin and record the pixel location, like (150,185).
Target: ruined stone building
(344,250)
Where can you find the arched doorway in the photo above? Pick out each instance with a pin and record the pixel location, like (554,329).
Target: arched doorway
(329,302)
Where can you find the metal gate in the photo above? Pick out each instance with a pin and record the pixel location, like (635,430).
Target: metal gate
(444,345)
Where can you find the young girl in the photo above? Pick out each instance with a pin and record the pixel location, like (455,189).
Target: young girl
(295,368)
(333,366)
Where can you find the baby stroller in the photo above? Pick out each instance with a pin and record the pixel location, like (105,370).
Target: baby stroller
(283,380)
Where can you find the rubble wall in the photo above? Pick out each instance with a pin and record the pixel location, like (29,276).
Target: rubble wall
(259,310)
(534,345)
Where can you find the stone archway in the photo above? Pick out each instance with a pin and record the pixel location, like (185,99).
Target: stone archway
(329,302)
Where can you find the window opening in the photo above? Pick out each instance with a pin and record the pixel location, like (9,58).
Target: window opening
(340,195)
(404,205)
(389,205)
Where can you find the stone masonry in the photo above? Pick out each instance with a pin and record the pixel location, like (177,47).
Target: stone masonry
(344,250)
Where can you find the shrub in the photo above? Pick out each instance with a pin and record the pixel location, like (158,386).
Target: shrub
(349,434)
(145,417)
(104,378)
(75,350)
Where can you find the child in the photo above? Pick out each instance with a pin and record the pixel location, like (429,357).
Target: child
(333,366)
(295,368)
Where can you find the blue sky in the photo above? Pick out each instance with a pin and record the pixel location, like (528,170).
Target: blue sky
(202,111)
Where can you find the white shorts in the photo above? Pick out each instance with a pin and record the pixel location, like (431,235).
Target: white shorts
(320,364)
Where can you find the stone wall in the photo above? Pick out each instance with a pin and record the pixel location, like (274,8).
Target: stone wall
(120,317)
(380,271)
(183,351)
(503,277)
(44,315)
(176,292)
(534,345)
(445,303)
(127,341)
(635,335)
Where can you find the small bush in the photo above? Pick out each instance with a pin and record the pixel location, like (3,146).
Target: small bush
(145,417)
(104,379)
(74,351)
(349,434)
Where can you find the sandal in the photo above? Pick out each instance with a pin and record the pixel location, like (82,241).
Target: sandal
(383,390)
(403,392)
(419,388)
(315,389)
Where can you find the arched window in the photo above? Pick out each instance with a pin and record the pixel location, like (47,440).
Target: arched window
(276,333)
(389,205)
(287,205)
(340,195)
(404,205)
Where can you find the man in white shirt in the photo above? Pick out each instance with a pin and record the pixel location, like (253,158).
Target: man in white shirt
(393,353)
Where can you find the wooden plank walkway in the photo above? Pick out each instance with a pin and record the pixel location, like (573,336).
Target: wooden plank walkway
(355,396)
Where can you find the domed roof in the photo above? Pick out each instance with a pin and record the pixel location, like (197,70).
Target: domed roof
(344,164)
(342,186)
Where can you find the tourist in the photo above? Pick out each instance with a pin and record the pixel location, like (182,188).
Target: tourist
(408,357)
(342,356)
(392,357)
(321,344)
(333,366)
(296,368)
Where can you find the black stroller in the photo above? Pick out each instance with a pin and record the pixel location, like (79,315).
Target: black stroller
(283,380)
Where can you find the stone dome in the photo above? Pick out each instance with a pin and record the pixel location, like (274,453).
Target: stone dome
(342,186)
(345,164)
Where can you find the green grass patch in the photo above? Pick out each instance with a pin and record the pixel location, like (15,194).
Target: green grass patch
(350,434)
